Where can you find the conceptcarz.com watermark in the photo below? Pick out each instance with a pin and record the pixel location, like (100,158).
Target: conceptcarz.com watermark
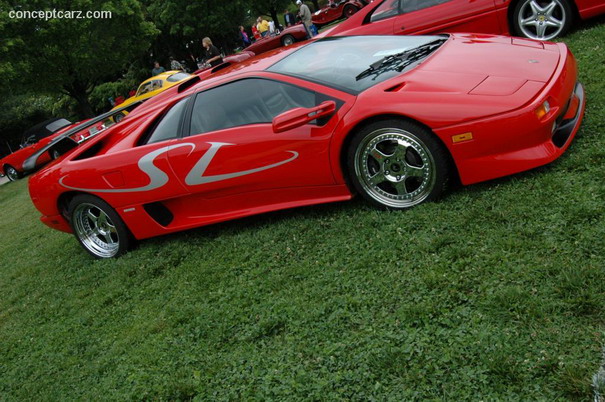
(59,14)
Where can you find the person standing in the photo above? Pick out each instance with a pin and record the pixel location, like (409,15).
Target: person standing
(255,33)
(157,69)
(262,26)
(175,65)
(289,18)
(305,15)
(272,28)
(243,35)
(213,56)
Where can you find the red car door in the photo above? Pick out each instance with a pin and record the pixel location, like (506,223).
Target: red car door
(232,149)
(429,16)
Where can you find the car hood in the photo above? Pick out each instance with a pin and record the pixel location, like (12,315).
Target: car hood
(474,76)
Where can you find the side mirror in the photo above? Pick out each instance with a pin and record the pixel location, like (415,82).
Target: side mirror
(300,116)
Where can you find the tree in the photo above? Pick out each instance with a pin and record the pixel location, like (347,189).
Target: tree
(270,7)
(72,55)
(183,23)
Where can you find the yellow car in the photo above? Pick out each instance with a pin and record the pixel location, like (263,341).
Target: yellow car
(152,87)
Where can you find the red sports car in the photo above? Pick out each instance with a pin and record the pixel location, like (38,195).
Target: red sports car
(33,140)
(392,118)
(536,19)
(287,37)
(336,10)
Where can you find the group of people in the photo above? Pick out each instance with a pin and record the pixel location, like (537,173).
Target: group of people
(264,28)
(212,58)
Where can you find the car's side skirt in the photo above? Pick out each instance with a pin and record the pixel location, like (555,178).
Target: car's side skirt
(191,211)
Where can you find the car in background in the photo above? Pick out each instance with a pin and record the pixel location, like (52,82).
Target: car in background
(32,140)
(392,118)
(534,19)
(336,10)
(151,87)
(287,37)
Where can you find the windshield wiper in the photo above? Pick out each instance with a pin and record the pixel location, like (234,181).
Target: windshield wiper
(405,58)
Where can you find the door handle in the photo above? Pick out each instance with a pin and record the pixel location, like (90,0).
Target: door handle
(403,28)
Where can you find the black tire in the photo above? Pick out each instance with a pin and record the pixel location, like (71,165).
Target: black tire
(104,237)
(54,154)
(11,173)
(118,117)
(397,164)
(288,40)
(541,24)
(349,10)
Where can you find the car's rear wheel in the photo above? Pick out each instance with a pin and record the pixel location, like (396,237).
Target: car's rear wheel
(55,154)
(397,164)
(11,173)
(98,228)
(542,19)
(288,40)
(349,10)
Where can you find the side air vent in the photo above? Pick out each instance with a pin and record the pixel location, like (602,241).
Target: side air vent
(395,88)
(189,83)
(159,213)
(220,67)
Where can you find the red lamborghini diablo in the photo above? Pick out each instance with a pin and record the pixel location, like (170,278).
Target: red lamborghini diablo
(392,118)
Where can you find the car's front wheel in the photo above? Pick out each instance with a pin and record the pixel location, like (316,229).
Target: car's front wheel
(397,164)
(288,40)
(11,173)
(542,19)
(98,228)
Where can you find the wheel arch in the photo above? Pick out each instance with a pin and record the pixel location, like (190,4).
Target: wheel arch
(455,175)
(65,199)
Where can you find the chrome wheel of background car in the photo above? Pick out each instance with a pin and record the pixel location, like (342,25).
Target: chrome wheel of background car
(397,164)
(11,173)
(544,20)
(288,40)
(98,227)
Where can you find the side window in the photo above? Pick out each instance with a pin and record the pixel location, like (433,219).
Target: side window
(386,10)
(407,6)
(391,8)
(167,127)
(248,101)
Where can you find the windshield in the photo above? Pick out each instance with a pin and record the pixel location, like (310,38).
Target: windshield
(178,77)
(338,61)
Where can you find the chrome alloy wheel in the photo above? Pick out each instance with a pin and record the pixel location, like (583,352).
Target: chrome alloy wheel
(11,173)
(395,168)
(542,20)
(95,230)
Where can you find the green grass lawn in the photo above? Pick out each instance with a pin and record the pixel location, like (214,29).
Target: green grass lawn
(496,292)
